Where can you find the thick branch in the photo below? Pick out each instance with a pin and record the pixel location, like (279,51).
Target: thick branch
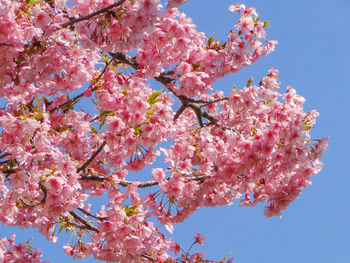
(92,177)
(103,10)
(195,105)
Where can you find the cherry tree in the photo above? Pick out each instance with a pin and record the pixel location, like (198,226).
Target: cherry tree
(252,145)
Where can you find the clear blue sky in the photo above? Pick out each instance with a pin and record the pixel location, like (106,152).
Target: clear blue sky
(313,57)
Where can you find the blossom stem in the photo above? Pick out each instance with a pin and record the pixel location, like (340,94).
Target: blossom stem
(83,221)
(93,156)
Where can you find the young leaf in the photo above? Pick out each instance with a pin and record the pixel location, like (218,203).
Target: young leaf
(153,97)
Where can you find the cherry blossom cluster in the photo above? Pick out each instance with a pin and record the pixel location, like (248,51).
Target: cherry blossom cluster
(10,252)
(252,145)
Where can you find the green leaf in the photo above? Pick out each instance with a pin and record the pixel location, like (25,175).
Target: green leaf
(104,113)
(249,81)
(131,210)
(137,130)
(153,97)
(60,228)
(225,258)
(93,130)
(210,40)
(38,116)
(94,102)
(102,123)
(196,66)
(33,2)
(254,131)
(266,24)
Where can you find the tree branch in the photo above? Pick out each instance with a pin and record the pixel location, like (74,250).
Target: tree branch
(92,215)
(195,105)
(83,221)
(93,156)
(103,10)
(92,177)
(149,258)
(42,201)
(125,59)
(72,100)
(144,184)
(4,154)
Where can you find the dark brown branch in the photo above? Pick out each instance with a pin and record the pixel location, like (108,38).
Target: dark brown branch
(83,221)
(42,201)
(144,184)
(3,155)
(78,226)
(76,98)
(149,258)
(207,102)
(92,177)
(72,100)
(195,105)
(125,59)
(92,215)
(93,156)
(103,10)
(164,79)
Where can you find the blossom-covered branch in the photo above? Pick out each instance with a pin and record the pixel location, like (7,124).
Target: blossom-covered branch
(73,21)
(253,144)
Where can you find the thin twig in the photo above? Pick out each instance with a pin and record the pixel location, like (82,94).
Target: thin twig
(74,99)
(43,199)
(3,155)
(78,226)
(103,10)
(93,156)
(144,184)
(92,215)
(125,59)
(83,221)
(149,258)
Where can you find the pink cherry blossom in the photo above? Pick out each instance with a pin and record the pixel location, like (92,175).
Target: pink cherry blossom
(199,239)
(84,119)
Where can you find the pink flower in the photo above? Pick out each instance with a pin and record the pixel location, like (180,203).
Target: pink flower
(175,247)
(41,18)
(245,24)
(236,8)
(199,239)
(55,184)
(175,3)
(158,175)
(183,68)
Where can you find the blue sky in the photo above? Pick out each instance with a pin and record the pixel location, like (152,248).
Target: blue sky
(312,57)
